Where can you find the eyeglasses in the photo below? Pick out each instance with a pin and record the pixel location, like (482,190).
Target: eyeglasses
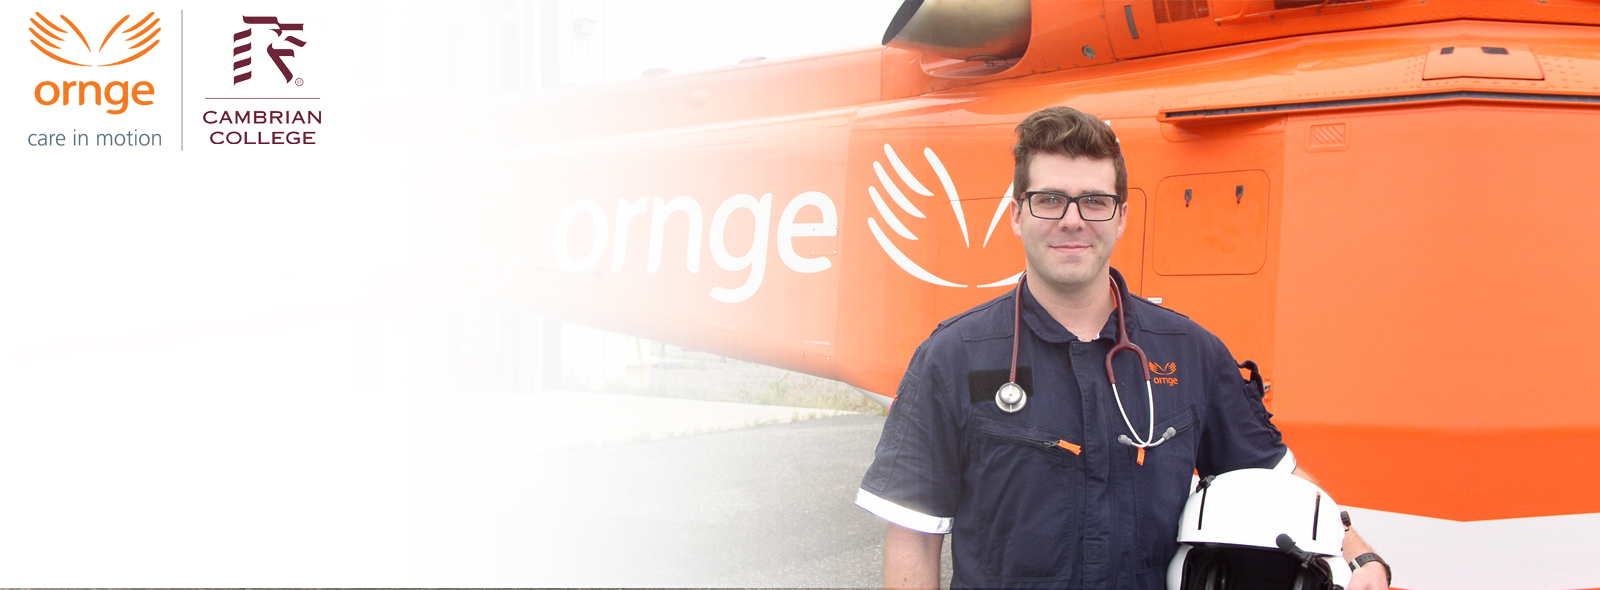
(1091,207)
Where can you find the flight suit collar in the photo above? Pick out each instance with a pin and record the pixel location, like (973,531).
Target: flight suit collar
(1048,329)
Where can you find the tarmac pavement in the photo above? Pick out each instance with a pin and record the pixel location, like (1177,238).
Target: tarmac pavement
(739,501)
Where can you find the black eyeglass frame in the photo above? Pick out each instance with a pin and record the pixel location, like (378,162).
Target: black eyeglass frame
(1071,200)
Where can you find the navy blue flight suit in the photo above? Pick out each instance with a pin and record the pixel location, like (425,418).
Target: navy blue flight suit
(1047,497)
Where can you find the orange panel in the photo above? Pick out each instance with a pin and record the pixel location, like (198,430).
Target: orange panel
(1442,294)
(1236,308)
(1239,21)
(1210,224)
(907,268)
(1125,20)
(1480,61)
(1452,473)
(1128,256)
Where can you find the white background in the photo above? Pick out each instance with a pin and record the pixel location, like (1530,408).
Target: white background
(209,358)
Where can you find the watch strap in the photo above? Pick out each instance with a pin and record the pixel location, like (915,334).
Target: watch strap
(1369,557)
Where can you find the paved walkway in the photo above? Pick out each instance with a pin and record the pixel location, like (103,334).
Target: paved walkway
(503,425)
(595,490)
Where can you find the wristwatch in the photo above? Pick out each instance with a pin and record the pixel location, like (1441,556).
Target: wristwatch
(1369,557)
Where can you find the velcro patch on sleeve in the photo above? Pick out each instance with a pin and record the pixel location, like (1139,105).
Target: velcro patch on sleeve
(982,384)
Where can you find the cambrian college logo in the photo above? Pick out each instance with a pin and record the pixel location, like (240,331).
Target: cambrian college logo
(276,53)
(247,123)
(898,196)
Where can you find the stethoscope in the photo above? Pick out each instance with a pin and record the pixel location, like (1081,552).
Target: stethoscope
(1011,398)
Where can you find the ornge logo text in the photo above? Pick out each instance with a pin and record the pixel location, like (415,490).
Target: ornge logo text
(118,46)
(242,42)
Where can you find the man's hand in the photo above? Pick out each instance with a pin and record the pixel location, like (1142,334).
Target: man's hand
(1369,577)
(911,558)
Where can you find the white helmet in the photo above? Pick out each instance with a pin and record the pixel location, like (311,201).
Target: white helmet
(1259,529)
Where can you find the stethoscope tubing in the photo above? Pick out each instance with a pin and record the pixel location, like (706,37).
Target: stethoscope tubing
(1123,343)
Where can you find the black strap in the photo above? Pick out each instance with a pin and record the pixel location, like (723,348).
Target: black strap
(1255,378)
(1369,557)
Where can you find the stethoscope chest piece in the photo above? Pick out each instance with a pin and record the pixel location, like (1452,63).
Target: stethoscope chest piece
(1010,397)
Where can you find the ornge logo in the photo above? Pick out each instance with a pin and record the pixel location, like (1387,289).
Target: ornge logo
(241,41)
(126,49)
(118,46)
(1165,373)
(900,200)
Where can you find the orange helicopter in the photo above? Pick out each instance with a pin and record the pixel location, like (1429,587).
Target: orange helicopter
(1380,202)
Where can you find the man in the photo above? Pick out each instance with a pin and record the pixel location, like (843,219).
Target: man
(1072,487)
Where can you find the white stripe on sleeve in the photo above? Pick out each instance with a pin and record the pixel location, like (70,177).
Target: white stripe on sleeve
(903,516)
(1287,463)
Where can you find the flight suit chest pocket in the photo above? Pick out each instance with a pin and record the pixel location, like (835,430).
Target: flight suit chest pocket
(1177,452)
(1162,486)
(1024,488)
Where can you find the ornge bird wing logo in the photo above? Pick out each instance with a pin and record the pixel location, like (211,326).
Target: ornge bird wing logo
(905,205)
(1169,369)
(63,45)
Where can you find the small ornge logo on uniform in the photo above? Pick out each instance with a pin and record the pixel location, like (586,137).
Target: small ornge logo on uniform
(1165,372)
(140,39)
(241,46)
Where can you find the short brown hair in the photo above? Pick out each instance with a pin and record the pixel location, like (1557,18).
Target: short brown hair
(1065,132)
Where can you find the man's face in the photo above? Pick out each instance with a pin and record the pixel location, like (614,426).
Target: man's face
(1068,253)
